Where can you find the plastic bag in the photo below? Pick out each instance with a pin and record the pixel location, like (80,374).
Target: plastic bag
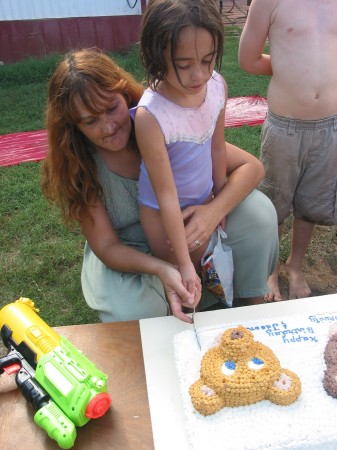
(217,268)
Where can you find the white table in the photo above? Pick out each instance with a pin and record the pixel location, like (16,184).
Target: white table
(166,410)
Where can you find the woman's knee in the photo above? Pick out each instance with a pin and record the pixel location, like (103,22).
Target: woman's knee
(252,226)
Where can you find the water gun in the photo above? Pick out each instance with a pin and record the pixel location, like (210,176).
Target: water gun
(63,386)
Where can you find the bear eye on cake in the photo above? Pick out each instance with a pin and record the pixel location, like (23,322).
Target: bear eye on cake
(240,371)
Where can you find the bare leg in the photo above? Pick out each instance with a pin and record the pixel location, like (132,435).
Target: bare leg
(157,238)
(274,294)
(302,233)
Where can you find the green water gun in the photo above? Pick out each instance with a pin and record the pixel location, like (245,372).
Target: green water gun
(63,386)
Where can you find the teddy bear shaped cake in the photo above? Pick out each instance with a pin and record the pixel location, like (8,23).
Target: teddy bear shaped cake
(330,356)
(240,371)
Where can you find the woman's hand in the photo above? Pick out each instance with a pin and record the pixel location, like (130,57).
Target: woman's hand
(200,223)
(244,172)
(177,295)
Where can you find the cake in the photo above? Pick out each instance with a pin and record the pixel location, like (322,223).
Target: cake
(240,371)
(246,419)
(330,357)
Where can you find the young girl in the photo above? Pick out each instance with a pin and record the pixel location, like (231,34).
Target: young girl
(179,124)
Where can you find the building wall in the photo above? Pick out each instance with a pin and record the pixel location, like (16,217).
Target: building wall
(41,27)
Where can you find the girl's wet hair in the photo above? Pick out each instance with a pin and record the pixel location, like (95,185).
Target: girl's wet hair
(160,27)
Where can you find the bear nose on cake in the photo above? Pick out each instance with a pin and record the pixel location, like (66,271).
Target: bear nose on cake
(236,334)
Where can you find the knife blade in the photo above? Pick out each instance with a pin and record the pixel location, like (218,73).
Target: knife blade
(195,329)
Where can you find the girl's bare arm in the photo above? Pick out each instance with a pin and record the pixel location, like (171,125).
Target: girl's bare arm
(154,153)
(219,155)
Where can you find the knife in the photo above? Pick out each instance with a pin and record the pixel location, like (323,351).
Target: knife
(195,329)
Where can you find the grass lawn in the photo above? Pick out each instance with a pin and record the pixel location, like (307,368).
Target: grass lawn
(39,257)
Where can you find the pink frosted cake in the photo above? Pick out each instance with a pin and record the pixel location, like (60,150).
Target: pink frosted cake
(330,356)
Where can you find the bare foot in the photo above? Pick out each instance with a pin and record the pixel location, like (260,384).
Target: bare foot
(298,286)
(274,294)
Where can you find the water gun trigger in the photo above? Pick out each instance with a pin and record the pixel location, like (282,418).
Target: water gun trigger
(13,368)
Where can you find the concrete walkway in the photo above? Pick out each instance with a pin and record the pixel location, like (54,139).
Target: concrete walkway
(234,12)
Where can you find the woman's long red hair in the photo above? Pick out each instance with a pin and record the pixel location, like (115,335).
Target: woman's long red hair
(69,176)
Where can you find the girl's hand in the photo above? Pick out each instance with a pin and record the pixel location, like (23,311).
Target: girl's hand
(177,295)
(191,282)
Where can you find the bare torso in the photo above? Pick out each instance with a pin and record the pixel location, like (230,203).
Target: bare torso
(303,49)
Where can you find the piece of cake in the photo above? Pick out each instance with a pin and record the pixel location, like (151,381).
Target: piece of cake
(241,371)
(330,356)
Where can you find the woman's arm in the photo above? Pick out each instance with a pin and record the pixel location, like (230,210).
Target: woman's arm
(151,143)
(106,245)
(244,174)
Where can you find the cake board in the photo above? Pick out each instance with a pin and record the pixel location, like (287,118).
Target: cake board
(166,404)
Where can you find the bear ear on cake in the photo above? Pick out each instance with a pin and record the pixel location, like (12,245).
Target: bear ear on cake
(286,389)
(330,356)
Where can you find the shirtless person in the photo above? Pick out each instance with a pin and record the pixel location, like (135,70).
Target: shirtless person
(299,137)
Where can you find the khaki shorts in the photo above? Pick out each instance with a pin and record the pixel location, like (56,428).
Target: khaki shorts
(300,160)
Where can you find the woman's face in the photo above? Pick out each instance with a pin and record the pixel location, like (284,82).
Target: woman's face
(110,129)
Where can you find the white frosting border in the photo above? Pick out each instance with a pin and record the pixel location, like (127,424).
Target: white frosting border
(309,423)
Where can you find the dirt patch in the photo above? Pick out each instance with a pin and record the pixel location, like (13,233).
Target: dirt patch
(320,265)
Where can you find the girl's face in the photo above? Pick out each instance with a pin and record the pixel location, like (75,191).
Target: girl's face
(109,130)
(194,58)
